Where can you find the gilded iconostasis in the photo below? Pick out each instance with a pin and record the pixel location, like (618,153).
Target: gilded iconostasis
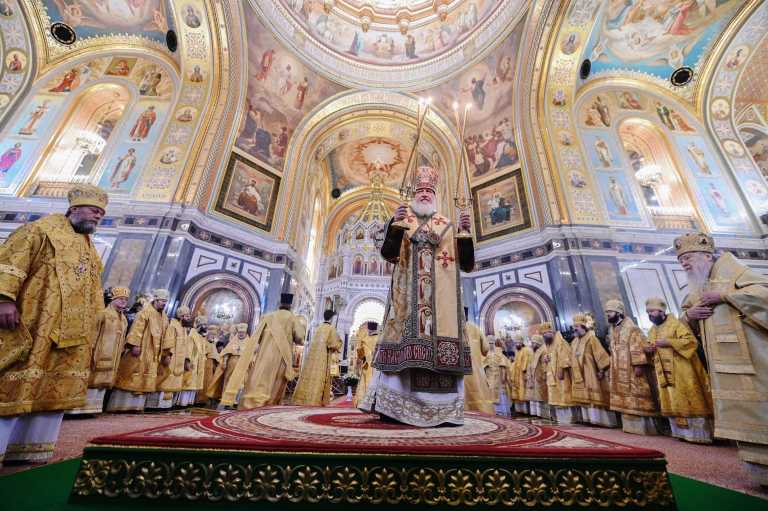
(251,147)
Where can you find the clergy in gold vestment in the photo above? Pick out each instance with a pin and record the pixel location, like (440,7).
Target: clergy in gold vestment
(264,375)
(536,391)
(728,309)
(211,362)
(195,374)
(477,394)
(631,374)
(421,358)
(523,357)
(589,369)
(50,298)
(682,382)
(228,359)
(364,349)
(137,372)
(498,371)
(111,329)
(174,358)
(314,385)
(559,381)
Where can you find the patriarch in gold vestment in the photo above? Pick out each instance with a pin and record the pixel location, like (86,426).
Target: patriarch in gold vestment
(112,326)
(421,357)
(314,385)
(137,372)
(536,390)
(367,336)
(266,364)
(50,299)
(498,371)
(589,369)
(520,367)
(682,382)
(477,393)
(228,360)
(727,309)
(631,375)
(559,382)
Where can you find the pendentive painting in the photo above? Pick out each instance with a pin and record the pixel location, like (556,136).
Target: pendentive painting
(248,193)
(501,206)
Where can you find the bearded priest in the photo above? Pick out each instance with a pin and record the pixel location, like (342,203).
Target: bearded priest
(421,358)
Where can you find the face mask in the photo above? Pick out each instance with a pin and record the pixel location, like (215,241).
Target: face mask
(614,319)
(657,319)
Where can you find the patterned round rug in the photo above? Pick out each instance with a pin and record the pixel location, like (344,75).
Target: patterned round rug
(344,430)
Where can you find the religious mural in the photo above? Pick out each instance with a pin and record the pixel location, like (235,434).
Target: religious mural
(281,91)
(380,45)
(617,194)
(102,118)
(501,206)
(488,87)
(757,145)
(248,193)
(92,18)
(656,36)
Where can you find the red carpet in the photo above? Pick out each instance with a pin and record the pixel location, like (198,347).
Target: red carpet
(342,430)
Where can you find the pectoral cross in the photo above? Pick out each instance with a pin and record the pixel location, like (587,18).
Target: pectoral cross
(445,258)
(439,220)
(82,268)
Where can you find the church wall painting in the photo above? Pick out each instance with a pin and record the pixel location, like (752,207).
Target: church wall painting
(488,88)
(248,193)
(281,91)
(17,72)
(501,206)
(92,18)
(390,47)
(602,150)
(618,197)
(45,117)
(654,37)
(757,145)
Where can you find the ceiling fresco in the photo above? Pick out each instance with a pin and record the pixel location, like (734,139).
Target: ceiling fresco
(281,91)
(400,45)
(653,37)
(150,19)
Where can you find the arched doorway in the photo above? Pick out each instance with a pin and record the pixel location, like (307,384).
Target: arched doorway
(370,309)
(223,299)
(514,309)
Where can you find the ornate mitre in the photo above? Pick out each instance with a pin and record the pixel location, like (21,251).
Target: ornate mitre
(119,292)
(655,303)
(546,327)
(426,179)
(182,311)
(87,195)
(694,242)
(615,306)
(581,319)
(161,294)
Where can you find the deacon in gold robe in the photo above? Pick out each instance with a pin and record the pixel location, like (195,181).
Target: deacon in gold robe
(421,358)
(137,371)
(536,390)
(195,374)
(50,298)
(728,310)
(631,373)
(589,369)
(498,371)
(559,383)
(364,349)
(211,362)
(112,326)
(174,360)
(264,374)
(228,360)
(682,382)
(477,393)
(523,358)
(314,385)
